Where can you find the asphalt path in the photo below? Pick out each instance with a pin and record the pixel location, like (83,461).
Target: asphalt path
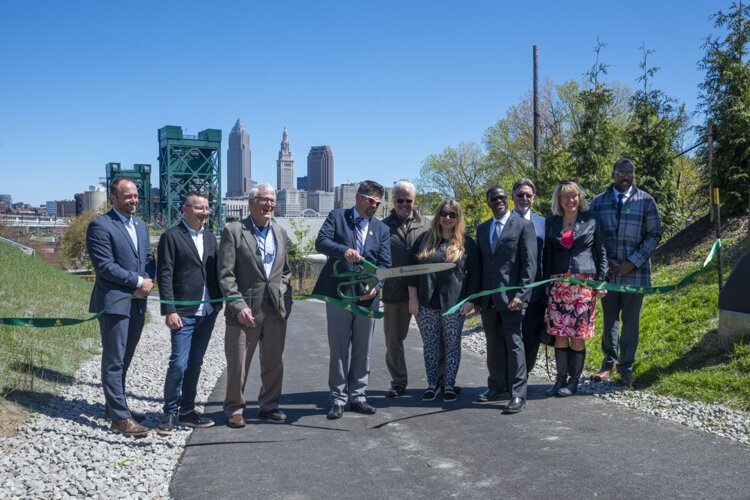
(578,447)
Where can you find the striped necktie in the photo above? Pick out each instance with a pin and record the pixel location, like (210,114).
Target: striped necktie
(360,234)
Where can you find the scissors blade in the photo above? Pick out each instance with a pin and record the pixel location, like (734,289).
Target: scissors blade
(403,271)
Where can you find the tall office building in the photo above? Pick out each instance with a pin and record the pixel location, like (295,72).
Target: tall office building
(284,165)
(346,195)
(238,162)
(320,169)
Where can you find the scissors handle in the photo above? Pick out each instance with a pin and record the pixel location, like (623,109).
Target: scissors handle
(368,268)
(372,282)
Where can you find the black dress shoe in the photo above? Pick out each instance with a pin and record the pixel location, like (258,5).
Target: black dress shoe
(336,411)
(362,407)
(395,391)
(274,415)
(515,405)
(166,425)
(137,416)
(195,420)
(489,395)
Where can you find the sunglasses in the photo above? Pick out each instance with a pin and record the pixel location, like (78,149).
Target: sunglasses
(447,215)
(499,197)
(371,200)
(405,200)
(524,195)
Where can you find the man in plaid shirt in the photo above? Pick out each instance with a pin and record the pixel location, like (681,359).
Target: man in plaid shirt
(632,229)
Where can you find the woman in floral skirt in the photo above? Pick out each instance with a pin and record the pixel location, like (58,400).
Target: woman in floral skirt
(573,247)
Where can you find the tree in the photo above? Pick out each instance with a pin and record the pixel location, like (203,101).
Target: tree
(297,252)
(461,173)
(595,144)
(725,99)
(652,140)
(73,243)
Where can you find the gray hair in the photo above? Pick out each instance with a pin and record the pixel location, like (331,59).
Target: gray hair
(255,192)
(524,182)
(404,185)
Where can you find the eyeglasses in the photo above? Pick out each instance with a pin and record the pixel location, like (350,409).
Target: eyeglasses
(447,215)
(499,197)
(373,201)
(624,173)
(264,199)
(199,209)
(523,195)
(405,200)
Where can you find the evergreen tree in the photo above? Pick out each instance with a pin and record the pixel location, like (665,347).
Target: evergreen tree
(725,99)
(652,139)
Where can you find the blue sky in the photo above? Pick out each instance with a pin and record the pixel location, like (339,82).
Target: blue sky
(384,83)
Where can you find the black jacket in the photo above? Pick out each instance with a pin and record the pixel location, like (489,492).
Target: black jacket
(587,255)
(395,289)
(454,284)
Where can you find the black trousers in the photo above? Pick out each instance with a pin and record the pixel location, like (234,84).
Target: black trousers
(506,359)
(532,328)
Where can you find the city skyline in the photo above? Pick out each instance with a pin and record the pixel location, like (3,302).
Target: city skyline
(370,80)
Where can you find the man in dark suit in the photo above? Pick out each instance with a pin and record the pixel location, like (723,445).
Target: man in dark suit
(187,271)
(524,194)
(509,258)
(253,263)
(349,235)
(120,251)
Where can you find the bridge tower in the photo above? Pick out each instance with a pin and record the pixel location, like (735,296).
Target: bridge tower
(189,163)
(140,174)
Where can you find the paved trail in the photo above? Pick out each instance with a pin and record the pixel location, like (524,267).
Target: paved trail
(579,447)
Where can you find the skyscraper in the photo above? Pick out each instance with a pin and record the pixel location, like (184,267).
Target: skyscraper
(284,165)
(320,169)
(238,161)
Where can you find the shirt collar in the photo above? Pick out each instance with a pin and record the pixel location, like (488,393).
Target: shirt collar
(526,216)
(356,215)
(627,193)
(122,217)
(192,231)
(504,219)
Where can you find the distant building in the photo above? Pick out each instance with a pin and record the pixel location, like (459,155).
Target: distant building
(302,183)
(346,195)
(320,169)
(66,208)
(287,203)
(302,200)
(78,198)
(238,162)
(94,198)
(235,209)
(51,208)
(7,199)
(285,165)
(320,201)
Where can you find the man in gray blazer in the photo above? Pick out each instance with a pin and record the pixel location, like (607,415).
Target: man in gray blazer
(253,263)
(509,258)
(187,271)
(632,230)
(120,251)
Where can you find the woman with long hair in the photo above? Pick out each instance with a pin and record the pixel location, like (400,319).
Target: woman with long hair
(430,295)
(573,247)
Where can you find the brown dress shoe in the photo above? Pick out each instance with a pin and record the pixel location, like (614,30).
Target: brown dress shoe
(236,421)
(128,427)
(604,375)
(627,379)
(276,415)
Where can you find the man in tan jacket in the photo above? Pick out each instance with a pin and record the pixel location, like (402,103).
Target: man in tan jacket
(253,263)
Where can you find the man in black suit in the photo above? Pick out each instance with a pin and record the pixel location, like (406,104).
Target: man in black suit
(120,252)
(509,258)
(349,235)
(187,271)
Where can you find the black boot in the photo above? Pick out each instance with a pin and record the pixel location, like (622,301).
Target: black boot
(561,358)
(575,369)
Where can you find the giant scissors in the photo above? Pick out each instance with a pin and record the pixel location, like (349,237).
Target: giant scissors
(370,275)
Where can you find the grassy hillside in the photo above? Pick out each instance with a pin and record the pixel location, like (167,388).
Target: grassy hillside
(680,352)
(33,361)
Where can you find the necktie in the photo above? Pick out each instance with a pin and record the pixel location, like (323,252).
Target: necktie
(620,201)
(360,234)
(496,235)
(130,226)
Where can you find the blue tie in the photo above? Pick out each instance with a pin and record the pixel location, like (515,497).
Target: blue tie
(495,237)
(360,234)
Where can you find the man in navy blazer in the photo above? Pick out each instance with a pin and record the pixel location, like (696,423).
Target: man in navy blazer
(509,258)
(187,271)
(350,235)
(120,251)
(524,194)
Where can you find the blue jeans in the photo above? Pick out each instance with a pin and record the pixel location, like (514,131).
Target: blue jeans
(189,345)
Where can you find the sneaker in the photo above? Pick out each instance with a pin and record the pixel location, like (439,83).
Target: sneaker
(449,395)
(166,425)
(431,394)
(195,420)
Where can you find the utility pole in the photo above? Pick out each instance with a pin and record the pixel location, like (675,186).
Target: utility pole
(536,109)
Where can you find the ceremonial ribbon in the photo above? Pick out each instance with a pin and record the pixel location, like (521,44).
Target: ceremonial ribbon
(601,285)
(352,308)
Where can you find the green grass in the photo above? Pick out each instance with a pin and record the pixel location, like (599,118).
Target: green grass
(680,352)
(33,361)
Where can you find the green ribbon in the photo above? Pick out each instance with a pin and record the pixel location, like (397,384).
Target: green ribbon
(352,308)
(601,285)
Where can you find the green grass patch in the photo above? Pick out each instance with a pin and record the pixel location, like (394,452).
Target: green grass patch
(680,352)
(34,361)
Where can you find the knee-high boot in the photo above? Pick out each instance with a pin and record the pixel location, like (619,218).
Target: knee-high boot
(561,359)
(575,369)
